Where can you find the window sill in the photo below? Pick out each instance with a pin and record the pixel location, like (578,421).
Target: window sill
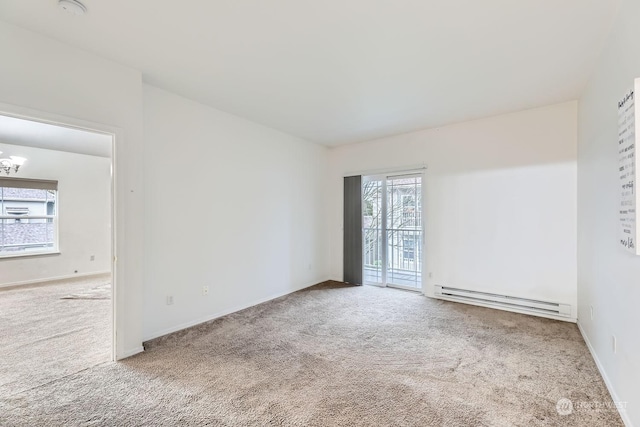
(29,255)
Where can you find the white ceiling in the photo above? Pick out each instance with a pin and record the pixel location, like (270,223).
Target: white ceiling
(27,133)
(340,71)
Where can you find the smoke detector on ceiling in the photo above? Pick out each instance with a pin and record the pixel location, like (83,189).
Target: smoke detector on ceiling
(72,6)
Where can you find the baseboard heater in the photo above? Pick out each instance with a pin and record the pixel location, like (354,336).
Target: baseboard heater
(505,301)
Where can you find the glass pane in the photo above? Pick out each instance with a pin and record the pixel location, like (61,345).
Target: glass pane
(404,231)
(21,231)
(372,224)
(22,236)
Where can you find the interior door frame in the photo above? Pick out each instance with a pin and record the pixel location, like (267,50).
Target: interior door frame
(115,133)
(384,176)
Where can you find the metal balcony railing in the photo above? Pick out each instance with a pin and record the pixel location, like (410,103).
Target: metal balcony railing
(404,256)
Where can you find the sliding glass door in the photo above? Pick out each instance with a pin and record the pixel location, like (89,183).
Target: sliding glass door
(392,230)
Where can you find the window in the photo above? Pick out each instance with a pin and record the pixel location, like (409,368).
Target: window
(18,213)
(408,248)
(409,218)
(408,201)
(28,216)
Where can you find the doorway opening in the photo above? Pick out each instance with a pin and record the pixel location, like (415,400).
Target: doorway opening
(56,251)
(393,233)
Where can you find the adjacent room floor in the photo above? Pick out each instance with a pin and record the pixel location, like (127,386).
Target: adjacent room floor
(51,331)
(337,355)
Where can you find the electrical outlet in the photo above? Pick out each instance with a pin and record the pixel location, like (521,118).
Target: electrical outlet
(430,275)
(92,258)
(205,290)
(591,311)
(614,343)
(169,299)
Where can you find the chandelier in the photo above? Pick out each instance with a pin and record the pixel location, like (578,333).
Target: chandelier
(13,163)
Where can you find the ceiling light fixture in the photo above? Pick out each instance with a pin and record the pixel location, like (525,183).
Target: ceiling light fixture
(13,163)
(74,7)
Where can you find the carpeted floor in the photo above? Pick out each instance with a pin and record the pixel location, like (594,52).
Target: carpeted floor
(50,331)
(337,356)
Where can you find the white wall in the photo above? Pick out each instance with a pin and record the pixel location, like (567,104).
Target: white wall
(608,276)
(42,77)
(230,204)
(84,220)
(500,200)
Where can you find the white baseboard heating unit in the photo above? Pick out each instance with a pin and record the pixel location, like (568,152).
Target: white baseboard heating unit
(544,308)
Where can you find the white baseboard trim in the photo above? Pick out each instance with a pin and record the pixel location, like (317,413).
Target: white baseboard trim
(208,318)
(623,414)
(54,279)
(130,352)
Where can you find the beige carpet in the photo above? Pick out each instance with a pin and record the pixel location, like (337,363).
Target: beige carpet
(44,336)
(337,356)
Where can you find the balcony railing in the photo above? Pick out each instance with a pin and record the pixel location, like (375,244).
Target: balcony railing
(404,256)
